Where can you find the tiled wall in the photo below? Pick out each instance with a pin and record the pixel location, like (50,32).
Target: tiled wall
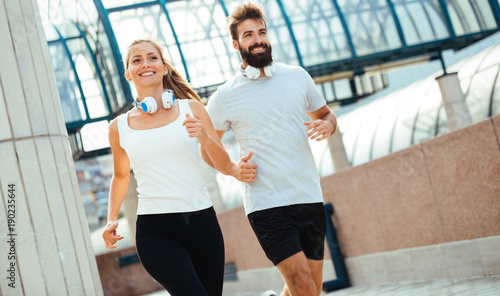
(443,190)
(53,254)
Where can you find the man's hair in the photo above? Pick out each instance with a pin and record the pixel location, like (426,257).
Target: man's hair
(243,12)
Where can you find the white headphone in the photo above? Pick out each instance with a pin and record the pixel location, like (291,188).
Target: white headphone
(149,105)
(254,73)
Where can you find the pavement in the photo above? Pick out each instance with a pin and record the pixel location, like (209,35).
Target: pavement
(475,286)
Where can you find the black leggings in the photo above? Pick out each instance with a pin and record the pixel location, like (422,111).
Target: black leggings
(184,252)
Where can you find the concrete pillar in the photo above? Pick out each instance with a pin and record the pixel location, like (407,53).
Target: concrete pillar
(130,206)
(337,150)
(454,101)
(50,252)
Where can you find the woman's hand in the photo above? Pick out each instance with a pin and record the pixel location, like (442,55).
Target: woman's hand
(245,171)
(109,235)
(195,128)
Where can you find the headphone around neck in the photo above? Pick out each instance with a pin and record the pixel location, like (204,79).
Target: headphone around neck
(254,73)
(149,105)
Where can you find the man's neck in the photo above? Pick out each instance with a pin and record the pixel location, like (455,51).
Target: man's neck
(244,65)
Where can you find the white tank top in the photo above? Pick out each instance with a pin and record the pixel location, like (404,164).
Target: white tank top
(166,164)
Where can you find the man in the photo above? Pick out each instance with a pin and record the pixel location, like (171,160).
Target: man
(265,107)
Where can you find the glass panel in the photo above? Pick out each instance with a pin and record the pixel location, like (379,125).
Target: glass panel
(470,16)
(405,123)
(349,137)
(114,3)
(89,80)
(492,57)
(318,31)
(364,142)
(421,21)
(383,134)
(425,127)
(50,32)
(69,93)
(495,100)
(109,71)
(371,25)
(480,91)
(442,123)
(202,30)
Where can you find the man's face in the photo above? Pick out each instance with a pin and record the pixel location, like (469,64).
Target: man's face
(253,43)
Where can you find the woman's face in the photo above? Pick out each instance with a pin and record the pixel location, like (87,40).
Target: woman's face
(145,66)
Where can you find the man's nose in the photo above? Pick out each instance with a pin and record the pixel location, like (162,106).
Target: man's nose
(257,39)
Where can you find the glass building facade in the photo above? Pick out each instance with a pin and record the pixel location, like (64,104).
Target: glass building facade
(346,46)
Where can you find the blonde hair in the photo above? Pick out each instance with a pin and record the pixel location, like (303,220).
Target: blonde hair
(173,80)
(243,12)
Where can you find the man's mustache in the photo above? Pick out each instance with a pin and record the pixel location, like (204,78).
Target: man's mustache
(263,45)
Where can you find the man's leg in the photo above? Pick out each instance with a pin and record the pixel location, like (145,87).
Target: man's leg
(297,274)
(316,267)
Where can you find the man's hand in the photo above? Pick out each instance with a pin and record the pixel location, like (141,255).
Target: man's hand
(318,129)
(245,171)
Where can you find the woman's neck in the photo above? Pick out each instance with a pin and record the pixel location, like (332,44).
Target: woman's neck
(149,92)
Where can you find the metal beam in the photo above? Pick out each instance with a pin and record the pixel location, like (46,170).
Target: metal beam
(397,22)
(73,66)
(117,56)
(223,5)
(97,68)
(447,18)
(133,6)
(496,11)
(345,27)
(292,35)
(163,6)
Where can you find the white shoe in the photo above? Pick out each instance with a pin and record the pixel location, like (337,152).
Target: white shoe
(269,293)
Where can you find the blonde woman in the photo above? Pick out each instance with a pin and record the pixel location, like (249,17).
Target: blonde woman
(178,239)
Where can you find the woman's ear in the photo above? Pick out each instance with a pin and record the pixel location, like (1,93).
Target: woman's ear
(127,76)
(165,70)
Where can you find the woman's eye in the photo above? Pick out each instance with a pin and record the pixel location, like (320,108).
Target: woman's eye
(135,61)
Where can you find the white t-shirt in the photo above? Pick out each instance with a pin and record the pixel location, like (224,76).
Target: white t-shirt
(167,166)
(267,117)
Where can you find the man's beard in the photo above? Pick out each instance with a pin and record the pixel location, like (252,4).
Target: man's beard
(259,60)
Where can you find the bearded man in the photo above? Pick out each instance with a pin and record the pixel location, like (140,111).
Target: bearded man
(265,106)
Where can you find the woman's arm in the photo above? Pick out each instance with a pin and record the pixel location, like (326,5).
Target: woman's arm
(118,187)
(201,127)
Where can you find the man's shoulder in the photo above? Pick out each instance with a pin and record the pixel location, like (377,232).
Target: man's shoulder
(290,69)
(229,85)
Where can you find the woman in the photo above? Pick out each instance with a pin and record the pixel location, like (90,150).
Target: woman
(178,238)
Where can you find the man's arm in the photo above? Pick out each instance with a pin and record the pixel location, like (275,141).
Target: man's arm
(322,125)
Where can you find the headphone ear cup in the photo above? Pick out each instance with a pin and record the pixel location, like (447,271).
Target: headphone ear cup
(168,99)
(270,69)
(149,105)
(250,72)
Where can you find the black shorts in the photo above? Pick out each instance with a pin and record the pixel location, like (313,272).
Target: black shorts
(285,231)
